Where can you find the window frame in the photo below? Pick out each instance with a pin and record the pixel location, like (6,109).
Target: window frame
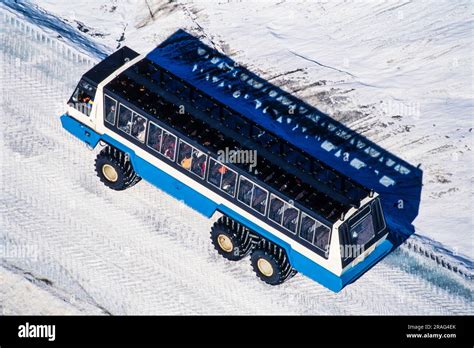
(131,118)
(193,148)
(295,233)
(222,177)
(352,225)
(116,110)
(285,204)
(203,177)
(251,197)
(146,124)
(268,215)
(148,137)
(82,106)
(175,155)
(314,235)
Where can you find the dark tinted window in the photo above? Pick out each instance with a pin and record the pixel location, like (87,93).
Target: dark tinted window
(222,177)
(308,227)
(259,199)
(168,145)
(314,232)
(276,209)
(138,130)
(154,136)
(83,97)
(245,191)
(125,119)
(363,230)
(290,218)
(321,239)
(199,163)
(185,153)
(110,110)
(215,173)
(229,181)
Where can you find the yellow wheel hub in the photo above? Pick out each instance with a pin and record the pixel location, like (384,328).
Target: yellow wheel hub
(225,243)
(265,267)
(109,172)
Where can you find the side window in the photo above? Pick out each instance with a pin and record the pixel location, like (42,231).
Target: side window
(222,177)
(199,163)
(125,119)
(308,227)
(185,153)
(290,218)
(314,232)
(110,109)
(259,199)
(192,159)
(276,209)
(245,191)
(321,239)
(215,173)
(138,130)
(283,214)
(168,145)
(154,136)
(229,181)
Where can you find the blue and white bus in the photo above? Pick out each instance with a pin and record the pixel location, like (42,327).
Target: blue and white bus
(288,210)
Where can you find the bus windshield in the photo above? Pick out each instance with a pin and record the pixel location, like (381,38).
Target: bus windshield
(83,97)
(362,230)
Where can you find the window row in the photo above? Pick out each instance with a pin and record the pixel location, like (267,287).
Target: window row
(128,121)
(218,174)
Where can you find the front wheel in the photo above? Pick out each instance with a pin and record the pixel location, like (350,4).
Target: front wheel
(115,170)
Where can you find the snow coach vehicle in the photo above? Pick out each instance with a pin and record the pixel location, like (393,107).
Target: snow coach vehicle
(182,123)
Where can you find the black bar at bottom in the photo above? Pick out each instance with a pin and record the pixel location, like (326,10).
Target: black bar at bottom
(406,330)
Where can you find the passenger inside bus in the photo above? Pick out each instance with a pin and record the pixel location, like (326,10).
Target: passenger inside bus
(138,127)
(185,155)
(154,137)
(276,210)
(110,111)
(228,182)
(186,162)
(199,163)
(125,119)
(214,173)
(245,191)
(169,145)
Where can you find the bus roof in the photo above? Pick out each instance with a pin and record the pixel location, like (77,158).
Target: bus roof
(245,97)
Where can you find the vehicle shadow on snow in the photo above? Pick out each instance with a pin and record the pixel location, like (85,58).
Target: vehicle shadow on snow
(398,182)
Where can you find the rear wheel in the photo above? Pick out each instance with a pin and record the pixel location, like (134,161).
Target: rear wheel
(270,263)
(115,170)
(231,239)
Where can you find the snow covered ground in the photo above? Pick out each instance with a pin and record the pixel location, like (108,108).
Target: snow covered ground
(132,253)
(408,63)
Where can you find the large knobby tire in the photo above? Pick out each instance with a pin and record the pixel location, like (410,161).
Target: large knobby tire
(231,239)
(271,264)
(115,170)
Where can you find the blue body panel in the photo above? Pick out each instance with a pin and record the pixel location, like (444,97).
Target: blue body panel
(207,207)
